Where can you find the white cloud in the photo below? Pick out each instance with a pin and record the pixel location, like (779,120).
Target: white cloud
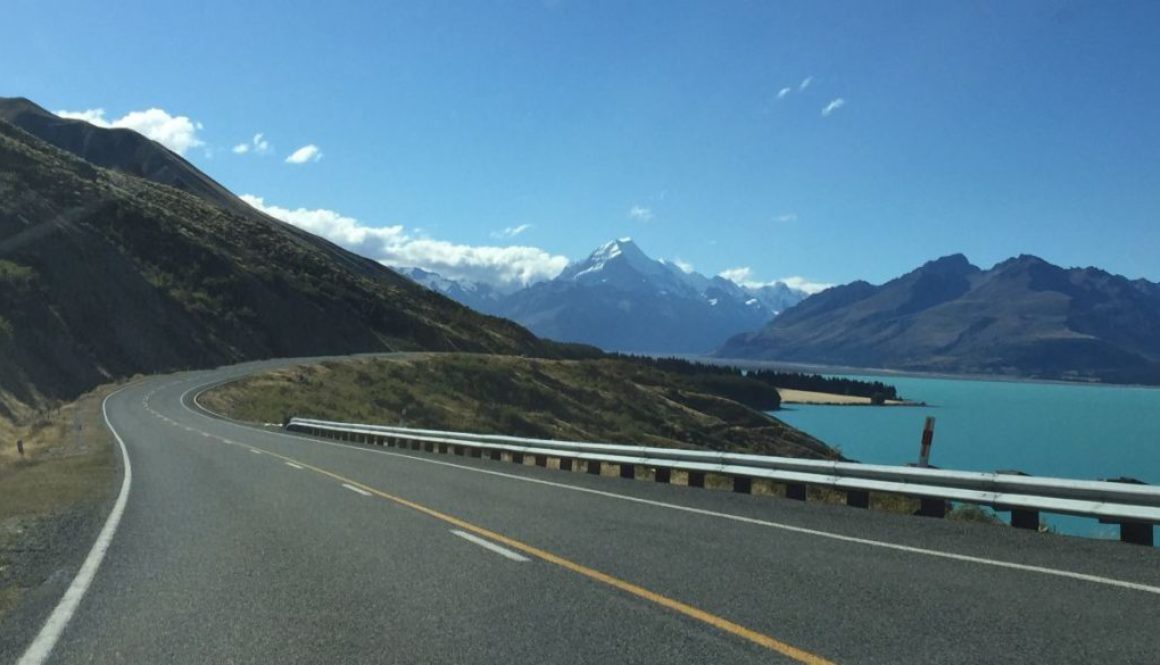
(640,213)
(834,105)
(178,133)
(743,276)
(786,218)
(803,284)
(395,246)
(511,231)
(307,153)
(685,266)
(783,92)
(258,144)
(805,83)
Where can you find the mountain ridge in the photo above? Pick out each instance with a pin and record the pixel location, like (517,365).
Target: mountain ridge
(1022,317)
(620,299)
(105,274)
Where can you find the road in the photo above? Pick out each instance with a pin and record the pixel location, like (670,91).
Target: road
(241,544)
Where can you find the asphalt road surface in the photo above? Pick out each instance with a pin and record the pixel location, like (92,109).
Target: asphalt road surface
(242,544)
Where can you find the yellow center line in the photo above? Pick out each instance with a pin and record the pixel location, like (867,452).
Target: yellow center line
(720,623)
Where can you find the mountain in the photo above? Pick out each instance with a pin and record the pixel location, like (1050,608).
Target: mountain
(480,296)
(1023,317)
(620,299)
(146,265)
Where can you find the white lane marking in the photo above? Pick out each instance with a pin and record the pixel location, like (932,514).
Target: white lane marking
(357,489)
(487,544)
(292,464)
(50,633)
(966,558)
(256,452)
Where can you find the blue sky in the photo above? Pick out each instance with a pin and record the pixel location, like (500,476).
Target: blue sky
(989,128)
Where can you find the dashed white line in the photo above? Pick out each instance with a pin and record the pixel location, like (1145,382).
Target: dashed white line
(486,544)
(356,489)
(292,464)
(256,452)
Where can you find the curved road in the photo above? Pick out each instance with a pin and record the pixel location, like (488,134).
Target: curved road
(242,544)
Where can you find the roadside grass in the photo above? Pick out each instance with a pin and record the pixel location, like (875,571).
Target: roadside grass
(609,400)
(69,464)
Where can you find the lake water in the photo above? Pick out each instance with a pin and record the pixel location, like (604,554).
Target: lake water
(1069,431)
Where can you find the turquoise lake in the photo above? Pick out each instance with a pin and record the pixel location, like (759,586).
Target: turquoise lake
(1071,431)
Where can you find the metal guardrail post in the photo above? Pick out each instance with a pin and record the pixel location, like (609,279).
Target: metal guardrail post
(696,479)
(1136,533)
(566,463)
(1025,519)
(542,460)
(594,467)
(628,471)
(663,475)
(742,484)
(795,491)
(932,507)
(858,498)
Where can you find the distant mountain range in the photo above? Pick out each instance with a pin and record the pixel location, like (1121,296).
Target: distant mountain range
(619,299)
(119,257)
(1023,317)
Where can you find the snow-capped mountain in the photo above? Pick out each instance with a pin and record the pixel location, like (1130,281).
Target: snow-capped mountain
(480,296)
(620,299)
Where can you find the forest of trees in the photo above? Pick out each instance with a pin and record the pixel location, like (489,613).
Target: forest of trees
(723,375)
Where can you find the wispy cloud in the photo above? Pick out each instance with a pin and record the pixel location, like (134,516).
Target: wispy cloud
(397,246)
(805,83)
(307,153)
(743,276)
(511,231)
(787,217)
(685,266)
(258,145)
(176,132)
(640,213)
(783,92)
(802,284)
(834,105)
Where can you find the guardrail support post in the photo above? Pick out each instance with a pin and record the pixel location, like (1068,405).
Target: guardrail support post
(742,484)
(594,467)
(1136,533)
(696,479)
(858,498)
(795,491)
(628,471)
(459,450)
(497,454)
(443,448)
(932,508)
(415,445)
(1025,519)
(517,458)
(475,452)
(542,460)
(429,446)
(663,475)
(565,463)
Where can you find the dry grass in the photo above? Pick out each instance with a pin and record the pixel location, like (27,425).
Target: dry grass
(68,462)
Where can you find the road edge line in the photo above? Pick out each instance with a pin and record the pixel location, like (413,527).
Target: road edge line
(41,647)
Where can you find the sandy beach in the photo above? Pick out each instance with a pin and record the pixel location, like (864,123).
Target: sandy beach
(789,396)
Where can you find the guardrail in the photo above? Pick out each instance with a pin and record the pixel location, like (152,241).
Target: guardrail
(1135,508)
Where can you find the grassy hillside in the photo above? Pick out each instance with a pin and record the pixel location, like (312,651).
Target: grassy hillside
(608,400)
(104,275)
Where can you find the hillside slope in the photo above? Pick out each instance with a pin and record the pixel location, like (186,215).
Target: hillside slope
(104,274)
(1023,317)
